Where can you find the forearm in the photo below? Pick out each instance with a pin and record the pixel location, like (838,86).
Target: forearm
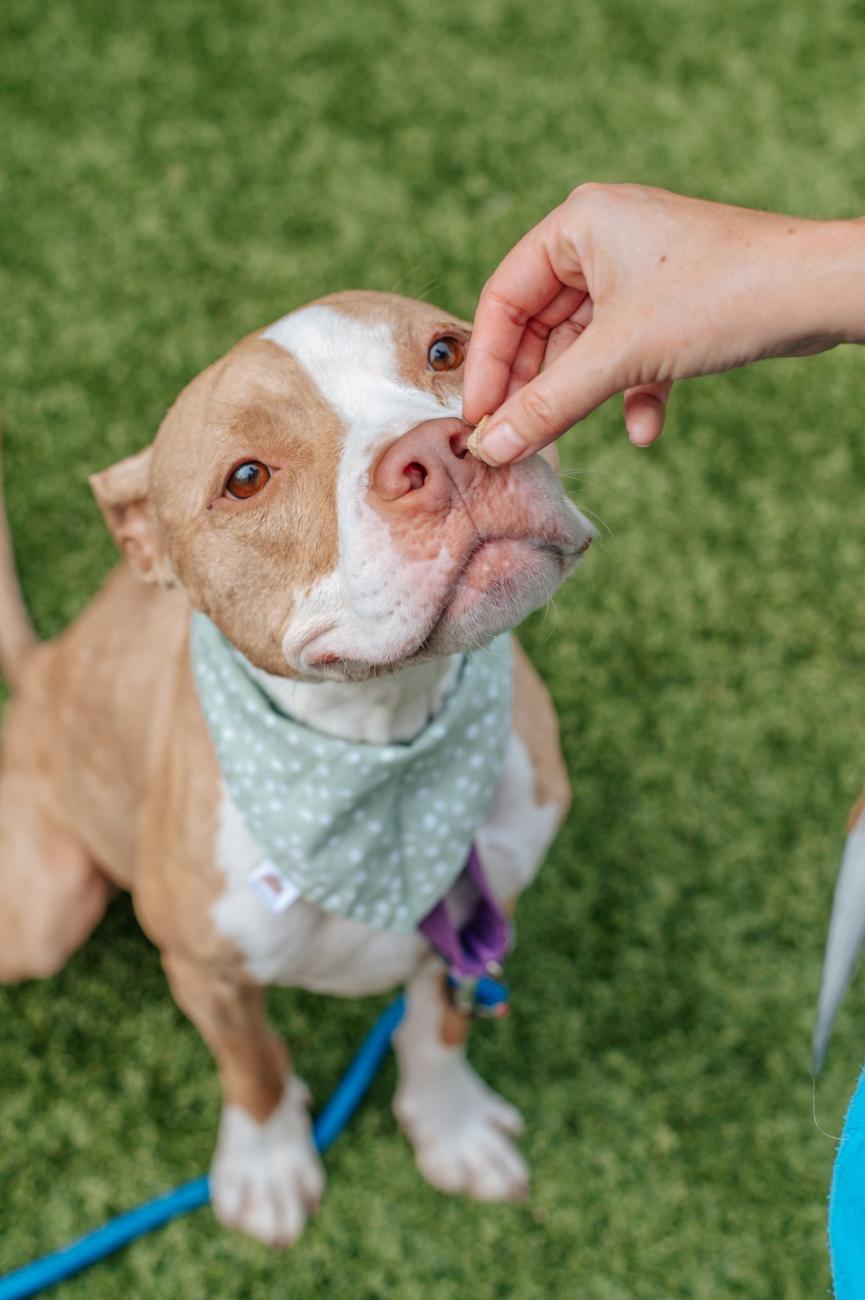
(763,284)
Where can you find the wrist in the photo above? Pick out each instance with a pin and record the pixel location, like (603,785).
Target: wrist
(837,283)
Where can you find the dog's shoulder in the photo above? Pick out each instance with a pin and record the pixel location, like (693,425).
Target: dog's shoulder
(177,877)
(536,723)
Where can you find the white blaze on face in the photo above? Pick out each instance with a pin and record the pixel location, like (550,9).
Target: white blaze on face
(377,605)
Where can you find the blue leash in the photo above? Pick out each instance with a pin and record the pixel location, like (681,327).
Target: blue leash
(119,1232)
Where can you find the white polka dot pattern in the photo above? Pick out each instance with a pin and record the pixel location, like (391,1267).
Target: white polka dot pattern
(374,832)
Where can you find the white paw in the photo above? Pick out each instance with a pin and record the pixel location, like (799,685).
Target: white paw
(460,1130)
(266,1178)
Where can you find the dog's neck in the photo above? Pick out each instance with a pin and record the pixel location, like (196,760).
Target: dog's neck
(378,711)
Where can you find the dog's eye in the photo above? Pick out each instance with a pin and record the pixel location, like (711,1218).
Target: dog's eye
(446,354)
(248,479)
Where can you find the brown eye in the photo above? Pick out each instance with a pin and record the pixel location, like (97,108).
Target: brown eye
(248,479)
(446,354)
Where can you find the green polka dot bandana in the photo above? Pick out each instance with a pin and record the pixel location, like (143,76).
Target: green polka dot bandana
(374,832)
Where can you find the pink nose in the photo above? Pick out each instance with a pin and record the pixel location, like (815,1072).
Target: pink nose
(431,461)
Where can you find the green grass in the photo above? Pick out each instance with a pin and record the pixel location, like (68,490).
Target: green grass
(174,175)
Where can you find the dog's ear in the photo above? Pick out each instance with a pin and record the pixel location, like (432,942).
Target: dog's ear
(123,495)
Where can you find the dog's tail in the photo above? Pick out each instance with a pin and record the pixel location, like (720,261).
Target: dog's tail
(17,638)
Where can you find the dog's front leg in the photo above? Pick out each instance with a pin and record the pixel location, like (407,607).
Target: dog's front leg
(266,1176)
(460,1129)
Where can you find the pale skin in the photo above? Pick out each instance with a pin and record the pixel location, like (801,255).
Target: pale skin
(625,289)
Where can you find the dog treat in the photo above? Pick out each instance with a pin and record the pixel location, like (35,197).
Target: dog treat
(474,442)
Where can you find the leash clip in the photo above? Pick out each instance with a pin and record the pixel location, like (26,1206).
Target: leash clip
(480,996)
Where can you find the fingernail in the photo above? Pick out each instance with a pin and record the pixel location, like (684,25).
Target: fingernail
(502,444)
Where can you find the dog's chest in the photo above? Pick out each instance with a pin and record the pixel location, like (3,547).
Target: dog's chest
(309,948)
(304,945)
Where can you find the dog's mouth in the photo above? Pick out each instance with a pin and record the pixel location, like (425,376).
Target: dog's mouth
(500,580)
(500,567)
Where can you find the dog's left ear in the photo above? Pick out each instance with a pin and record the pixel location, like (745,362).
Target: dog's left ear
(123,495)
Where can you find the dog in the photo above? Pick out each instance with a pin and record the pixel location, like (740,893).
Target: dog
(309,518)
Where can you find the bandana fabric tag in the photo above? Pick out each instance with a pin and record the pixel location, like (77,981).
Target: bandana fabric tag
(275,891)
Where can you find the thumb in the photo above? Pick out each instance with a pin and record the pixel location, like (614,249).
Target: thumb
(571,388)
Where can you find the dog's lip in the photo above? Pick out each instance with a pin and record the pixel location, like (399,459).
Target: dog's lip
(563,552)
(560,547)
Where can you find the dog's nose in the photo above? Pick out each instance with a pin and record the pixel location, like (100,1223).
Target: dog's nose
(431,460)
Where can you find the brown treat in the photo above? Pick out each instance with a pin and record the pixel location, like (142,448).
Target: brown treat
(474,442)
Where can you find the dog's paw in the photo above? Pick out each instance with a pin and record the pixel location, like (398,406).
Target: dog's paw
(266,1178)
(461,1132)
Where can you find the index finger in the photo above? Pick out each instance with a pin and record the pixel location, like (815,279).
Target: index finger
(519,289)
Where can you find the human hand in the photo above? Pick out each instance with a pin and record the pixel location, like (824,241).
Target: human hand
(624,289)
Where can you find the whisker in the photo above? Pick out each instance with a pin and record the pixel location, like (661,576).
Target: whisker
(405,275)
(427,289)
(552,619)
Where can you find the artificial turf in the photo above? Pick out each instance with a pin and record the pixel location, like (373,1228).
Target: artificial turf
(173,175)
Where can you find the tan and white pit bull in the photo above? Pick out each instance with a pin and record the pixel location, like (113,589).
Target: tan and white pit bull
(311,493)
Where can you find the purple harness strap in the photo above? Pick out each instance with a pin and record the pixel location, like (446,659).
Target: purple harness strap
(479,947)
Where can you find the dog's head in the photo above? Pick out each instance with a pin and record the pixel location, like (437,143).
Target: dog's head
(313,493)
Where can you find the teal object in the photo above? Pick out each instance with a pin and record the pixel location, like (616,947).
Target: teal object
(847,1203)
(378,833)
